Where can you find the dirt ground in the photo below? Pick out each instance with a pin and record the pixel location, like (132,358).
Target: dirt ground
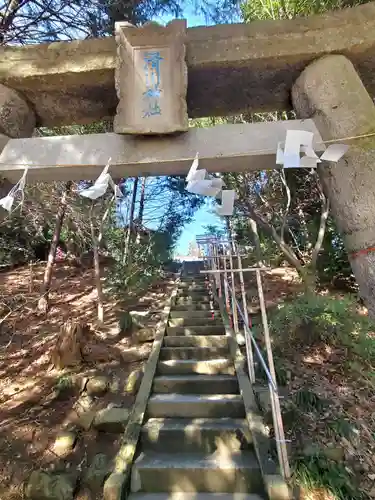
(32,409)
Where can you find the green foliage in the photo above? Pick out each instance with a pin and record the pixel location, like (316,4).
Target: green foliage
(342,427)
(311,320)
(149,257)
(280,370)
(333,264)
(64,386)
(307,400)
(318,472)
(253,10)
(64,382)
(214,230)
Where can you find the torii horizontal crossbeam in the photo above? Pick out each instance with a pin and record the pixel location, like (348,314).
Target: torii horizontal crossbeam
(231,68)
(224,148)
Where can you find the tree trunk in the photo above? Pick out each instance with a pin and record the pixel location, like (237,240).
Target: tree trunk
(43,304)
(142,201)
(308,276)
(255,237)
(98,283)
(127,253)
(331,92)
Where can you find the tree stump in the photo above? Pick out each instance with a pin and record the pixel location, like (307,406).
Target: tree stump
(68,350)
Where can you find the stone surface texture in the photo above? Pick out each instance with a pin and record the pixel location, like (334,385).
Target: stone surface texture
(50,486)
(64,443)
(223,148)
(97,386)
(151,79)
(97,472)
(133,381)
(331,92)
(232,68)
(111,419)
(17,119)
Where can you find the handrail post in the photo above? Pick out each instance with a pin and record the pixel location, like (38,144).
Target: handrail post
(216,266)
(226,290)
(234,308)
(275,402)
(249,349)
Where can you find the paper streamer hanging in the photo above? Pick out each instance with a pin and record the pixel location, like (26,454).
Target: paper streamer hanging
(288,154)
(199,182)
(334,152)
(193,168)
(227,202)
(100,186)
(8,200)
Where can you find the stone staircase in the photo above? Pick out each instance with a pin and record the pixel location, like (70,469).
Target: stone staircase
(195,441)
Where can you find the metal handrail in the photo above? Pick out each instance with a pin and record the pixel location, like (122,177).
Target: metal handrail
(257,350)
(269,368)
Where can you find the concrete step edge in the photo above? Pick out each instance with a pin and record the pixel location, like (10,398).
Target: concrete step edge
(196,378)
(194,496)
(236,460)
(196,340)
(173,424)
(195,398)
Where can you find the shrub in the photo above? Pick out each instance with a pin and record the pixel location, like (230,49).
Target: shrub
(317,472)
(310,320)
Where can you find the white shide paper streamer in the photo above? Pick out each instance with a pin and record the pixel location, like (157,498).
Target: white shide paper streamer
(227,202)
(8,200)
(288,154)
(201,183)
(100,186)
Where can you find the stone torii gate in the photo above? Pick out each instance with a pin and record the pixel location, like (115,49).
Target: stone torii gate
(323,67)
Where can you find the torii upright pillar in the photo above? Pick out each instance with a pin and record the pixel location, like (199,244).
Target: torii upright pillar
(331,92)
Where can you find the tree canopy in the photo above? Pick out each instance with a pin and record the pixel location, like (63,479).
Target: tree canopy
(34,21)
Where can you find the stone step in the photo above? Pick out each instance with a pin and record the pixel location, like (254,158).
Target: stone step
(195,330)
(194,287)
(206,435)
(197,353)
(196,341)
(195,321)
(195,307)
(196,294)
(196,277)
(196,384)
(192,472)
(222,366)
(197,496)
(191,301)
(201,281)
(196,406)
(195,313)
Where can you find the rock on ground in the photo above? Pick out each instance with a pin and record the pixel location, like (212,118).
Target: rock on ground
(111,419)
(145,334)
(64,443)
(134,381)
(97,386)
(50,486)
(97,472)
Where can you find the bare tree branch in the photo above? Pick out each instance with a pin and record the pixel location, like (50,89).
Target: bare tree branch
(286,212)
(322,225)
